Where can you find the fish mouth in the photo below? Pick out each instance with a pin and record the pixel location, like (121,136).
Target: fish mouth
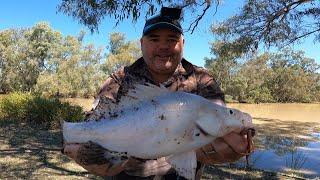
(202,130)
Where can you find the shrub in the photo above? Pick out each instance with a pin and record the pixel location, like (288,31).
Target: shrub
(72,113)
(37,110)
(229,99)
(13,106)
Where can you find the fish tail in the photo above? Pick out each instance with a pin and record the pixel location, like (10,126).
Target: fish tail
(62,139)
(81,132)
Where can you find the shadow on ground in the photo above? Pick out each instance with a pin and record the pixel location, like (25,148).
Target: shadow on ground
(33,152)
(284,136)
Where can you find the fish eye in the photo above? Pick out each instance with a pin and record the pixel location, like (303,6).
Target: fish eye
(231,112)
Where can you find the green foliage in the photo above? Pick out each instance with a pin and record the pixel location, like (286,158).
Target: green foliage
(229,99)
(294,77)
(76,75)
(24,53)
(121,53)
(13,106)
(222,69)
(260,95)
(286,76)
(40,59)
(38,111)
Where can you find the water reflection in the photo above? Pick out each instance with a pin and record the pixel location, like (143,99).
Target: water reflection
(296,159)
(316,134)
(287,146)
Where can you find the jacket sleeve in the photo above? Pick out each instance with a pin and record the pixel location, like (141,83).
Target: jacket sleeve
(208,86)
(112,84)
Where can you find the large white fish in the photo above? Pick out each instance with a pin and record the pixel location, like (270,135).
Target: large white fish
(151,122)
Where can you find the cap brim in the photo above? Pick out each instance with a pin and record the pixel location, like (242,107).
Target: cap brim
(161,25)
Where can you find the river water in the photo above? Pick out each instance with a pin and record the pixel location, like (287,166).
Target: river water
(288,137)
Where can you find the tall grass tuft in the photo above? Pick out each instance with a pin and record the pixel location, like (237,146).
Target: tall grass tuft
(38,111)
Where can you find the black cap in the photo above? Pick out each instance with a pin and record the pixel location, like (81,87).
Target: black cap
(169,18)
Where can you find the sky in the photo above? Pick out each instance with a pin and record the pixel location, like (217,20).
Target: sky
(26,13)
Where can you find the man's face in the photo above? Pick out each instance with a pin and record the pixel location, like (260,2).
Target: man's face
(162,50)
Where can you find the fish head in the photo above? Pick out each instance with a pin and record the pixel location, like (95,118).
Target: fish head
(218,120)
(235,121)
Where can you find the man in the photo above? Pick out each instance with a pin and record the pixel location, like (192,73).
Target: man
(162,46)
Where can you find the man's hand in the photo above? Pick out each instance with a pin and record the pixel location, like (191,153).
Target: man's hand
(91,157)
(228,148)
(135,167)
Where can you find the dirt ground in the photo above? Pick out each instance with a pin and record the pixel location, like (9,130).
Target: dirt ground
(33,153)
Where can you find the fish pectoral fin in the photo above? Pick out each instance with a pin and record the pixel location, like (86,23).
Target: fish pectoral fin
(185,164)
(208,126)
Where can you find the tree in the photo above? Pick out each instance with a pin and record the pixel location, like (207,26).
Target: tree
(75,70)
(222,69)
(23,54)
(121,52)
(295,77)
(6,41)
(255,74)
(40,59)
(270,23)
(285,76)
(92,12)
(274,23)
(223,66)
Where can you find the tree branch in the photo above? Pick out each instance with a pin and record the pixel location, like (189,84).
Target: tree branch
(302,36)
(197,20)
(282,12)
